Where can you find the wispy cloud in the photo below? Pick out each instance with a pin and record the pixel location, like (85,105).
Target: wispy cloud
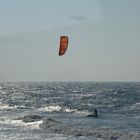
(78,17)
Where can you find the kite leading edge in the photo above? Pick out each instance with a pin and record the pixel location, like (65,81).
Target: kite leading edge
(63,45)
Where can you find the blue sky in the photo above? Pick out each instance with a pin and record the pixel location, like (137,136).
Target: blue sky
(103,40)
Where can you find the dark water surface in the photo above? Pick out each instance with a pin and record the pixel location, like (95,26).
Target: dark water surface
(58,110)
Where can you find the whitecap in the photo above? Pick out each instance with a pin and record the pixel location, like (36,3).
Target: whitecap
(56,108)
(136,106)
(7,107)
(18,122)
(50,108)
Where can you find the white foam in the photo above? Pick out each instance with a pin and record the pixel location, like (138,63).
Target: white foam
(136,106)
(13,122)
(69,110)
(50,108)
(137,117)
(2,92)
(55,108)
(6,107)
(82,113)
(33,125)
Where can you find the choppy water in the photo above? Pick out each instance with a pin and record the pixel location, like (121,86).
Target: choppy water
(57,111)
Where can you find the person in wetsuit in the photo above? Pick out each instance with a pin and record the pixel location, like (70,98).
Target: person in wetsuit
(95,114)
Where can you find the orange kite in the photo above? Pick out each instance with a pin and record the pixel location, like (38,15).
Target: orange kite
(63,45)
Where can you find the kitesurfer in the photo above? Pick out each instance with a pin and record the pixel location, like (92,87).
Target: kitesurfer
(95,114)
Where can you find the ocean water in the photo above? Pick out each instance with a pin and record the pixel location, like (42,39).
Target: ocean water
(58,111)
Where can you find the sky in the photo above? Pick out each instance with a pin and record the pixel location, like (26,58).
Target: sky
(104,40)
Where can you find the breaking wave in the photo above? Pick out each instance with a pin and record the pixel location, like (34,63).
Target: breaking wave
(7,107)
(56,108)
(18,122)
(53,126)
(136,106)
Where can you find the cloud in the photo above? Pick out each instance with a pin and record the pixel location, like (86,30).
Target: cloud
(77,17)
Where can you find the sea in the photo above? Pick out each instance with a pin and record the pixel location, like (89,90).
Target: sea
(59,110)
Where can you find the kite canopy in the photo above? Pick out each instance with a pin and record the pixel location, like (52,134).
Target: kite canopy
(63,45)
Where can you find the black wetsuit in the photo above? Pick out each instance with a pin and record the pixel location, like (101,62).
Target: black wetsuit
(95,114)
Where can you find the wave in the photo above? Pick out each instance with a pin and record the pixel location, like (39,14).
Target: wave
(64,109)
(136,106)
(30,118)
(53,126)
(133,107)
(56,108)
(19,122)
(7,107)
(12,107)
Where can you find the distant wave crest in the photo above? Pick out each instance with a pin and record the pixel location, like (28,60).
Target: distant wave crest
(56,108)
